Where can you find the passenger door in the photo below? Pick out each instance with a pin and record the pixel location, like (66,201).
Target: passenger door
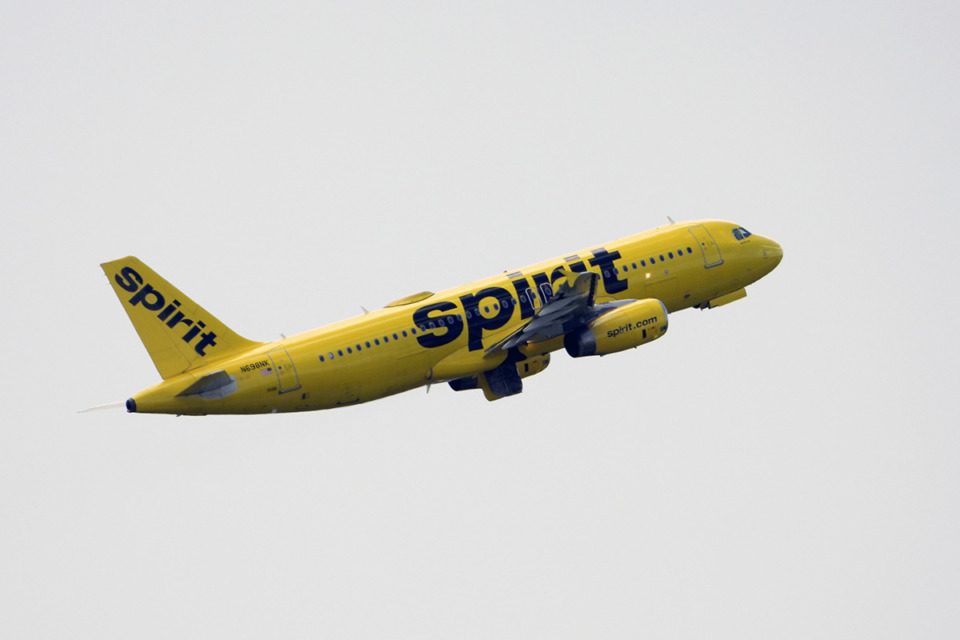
(708,246)
(287,377)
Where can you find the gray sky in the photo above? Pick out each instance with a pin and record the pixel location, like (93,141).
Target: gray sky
(785,466)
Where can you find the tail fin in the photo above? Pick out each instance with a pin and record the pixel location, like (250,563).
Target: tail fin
(178,333)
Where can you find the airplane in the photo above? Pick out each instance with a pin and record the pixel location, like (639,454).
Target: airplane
(487,335)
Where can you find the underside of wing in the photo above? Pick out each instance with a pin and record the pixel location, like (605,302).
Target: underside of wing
(570,307)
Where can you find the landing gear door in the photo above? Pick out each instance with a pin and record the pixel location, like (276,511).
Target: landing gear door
(287,377)
(708,246)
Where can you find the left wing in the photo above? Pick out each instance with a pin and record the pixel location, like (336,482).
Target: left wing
(572,313)
(570,308)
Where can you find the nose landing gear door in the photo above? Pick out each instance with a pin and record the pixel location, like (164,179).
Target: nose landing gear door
(287,378)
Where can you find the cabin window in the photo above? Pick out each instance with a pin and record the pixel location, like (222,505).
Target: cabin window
(643,263)
(404,333)
(321,358)
(340,352)
(386,339)
(635,265)
(368,344)
(413,331)
(395,337)
(349,350)
(653,261)
(661,258)
(376,341)
(689,250)
(671,255)
(358,348)
(330,355)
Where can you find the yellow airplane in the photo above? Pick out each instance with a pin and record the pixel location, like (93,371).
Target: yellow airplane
(486,335)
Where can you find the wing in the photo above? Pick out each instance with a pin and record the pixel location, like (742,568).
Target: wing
(570,308)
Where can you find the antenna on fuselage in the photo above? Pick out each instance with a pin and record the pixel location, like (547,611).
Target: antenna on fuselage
(671,220)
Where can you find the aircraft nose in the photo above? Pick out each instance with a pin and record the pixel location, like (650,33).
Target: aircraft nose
(772,253)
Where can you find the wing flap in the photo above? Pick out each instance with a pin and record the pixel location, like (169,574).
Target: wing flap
(575,296)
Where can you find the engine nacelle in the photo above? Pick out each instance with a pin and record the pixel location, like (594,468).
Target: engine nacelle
(624,327)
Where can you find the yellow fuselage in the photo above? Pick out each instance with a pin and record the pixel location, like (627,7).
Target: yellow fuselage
(445,336)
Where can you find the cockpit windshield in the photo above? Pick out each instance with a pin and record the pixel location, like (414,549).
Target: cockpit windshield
(740,233)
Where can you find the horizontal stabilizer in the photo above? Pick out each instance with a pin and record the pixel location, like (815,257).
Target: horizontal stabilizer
(213,385)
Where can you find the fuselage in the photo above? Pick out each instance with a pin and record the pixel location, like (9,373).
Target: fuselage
(434,337)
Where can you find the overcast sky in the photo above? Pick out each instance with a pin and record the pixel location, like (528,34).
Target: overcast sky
(786,466)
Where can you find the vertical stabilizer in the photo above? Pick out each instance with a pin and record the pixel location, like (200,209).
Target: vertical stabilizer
(178,333)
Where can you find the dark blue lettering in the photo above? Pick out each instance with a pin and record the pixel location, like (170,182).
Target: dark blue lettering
(150,298)
(177,319)
(206,340)
(140,297)
(131,279)
(546,292)
(526,304)
(603,259)
(170,308)
(476,322)
(445,333)
(194,330)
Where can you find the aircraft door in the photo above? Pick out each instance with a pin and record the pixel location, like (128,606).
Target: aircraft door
(287,377)
(708,246)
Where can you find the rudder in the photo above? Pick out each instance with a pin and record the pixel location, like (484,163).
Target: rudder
(178,333)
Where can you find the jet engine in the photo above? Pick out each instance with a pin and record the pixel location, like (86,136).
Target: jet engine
(624,327)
